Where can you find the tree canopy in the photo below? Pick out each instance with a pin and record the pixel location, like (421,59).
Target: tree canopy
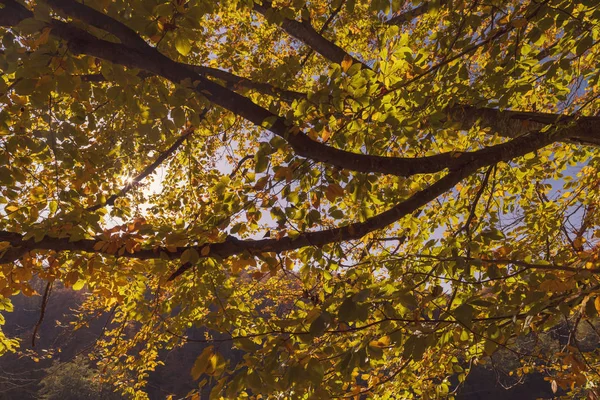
(364,198)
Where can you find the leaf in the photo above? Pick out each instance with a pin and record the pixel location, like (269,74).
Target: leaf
(176,239)
(283,172)
(346,63)
(315,371)
(52,206)
(43,37)
(415,347)
(71,278)
(190,256)
(320,324)
(347,310)
(79,284)
(492,234)
(518,22)
(183,45)
(261,162)
(216,364)
(202,363)
(597,304)
(489,347)
(464,314)
(333,191)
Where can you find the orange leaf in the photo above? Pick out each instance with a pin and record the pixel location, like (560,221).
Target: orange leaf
(346,63)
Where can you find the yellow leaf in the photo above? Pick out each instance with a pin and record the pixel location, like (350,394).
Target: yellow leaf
(597,304)
(183,45)
(205,251)
(79,284)
(212,364)
(346,63)
(589,265)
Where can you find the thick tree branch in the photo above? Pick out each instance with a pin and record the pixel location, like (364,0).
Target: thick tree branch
(20,245)
(304,32)
(232,81)
(81,42)
(321,30)
(95,18)
(586,130)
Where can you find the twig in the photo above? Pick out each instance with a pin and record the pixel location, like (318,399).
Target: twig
(45,298)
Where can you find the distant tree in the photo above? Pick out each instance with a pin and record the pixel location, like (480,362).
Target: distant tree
(74,380)
(363,197)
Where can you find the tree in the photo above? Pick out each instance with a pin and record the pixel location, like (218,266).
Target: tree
(365,197)
(73,380)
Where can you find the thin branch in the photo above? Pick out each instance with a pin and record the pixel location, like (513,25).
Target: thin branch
(43,306)
(21,244)
(239,165)
(413,13)
(508,261)
(323,29)
(147,171)
(305,32)
(467,225)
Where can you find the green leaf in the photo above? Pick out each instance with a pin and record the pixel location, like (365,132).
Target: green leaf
(347,310)
(415,347)
(190,255)
(464,314)
(320,324)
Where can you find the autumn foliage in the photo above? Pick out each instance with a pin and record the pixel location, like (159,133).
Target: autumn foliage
(364,199)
